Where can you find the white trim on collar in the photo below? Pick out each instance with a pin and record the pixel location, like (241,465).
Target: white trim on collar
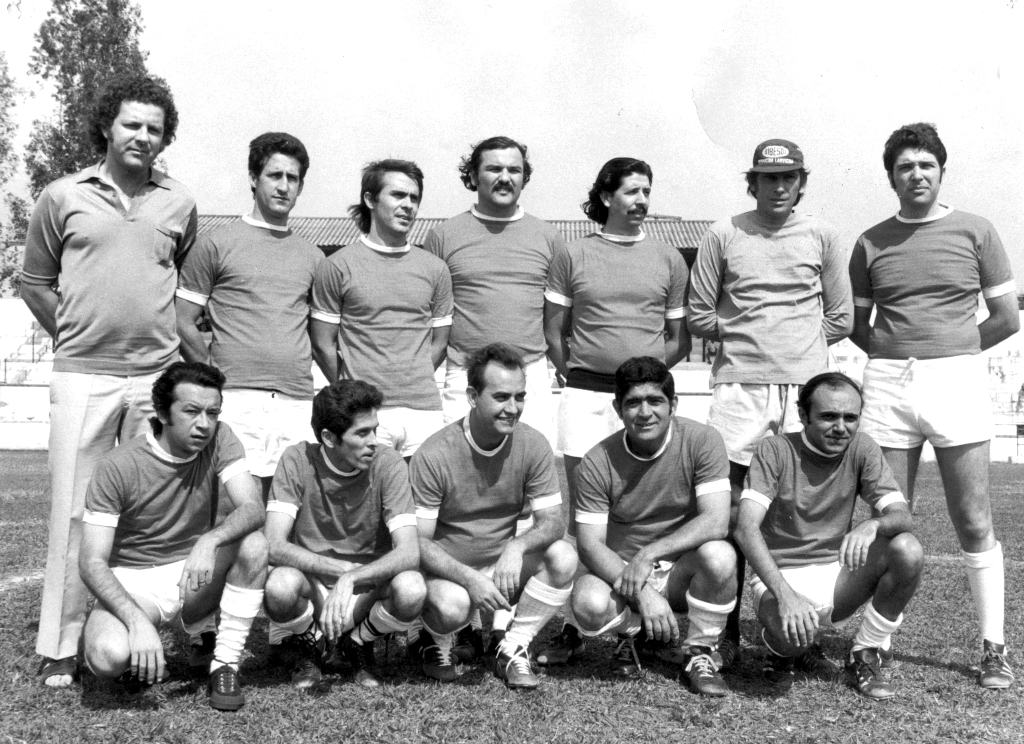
(944,209)
(476,447)
(623,238)
(480,216)
(330,465)
(656,455)
(365,240)
(815,450)
(164,454)
(248,219)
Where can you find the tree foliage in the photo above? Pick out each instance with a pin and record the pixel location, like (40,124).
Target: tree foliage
(79,46)
(14,211)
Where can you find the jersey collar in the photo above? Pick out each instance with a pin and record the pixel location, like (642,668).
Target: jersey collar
(163,454)
(365,240)
(944,209)
(476,447)
(249,220)
(623,238)
(817,451)
(480,216)
(656,455)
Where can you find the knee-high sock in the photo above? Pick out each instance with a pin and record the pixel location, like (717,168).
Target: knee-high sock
(538,604)
(626,622)
(502,618)
(985,575)
(277,632)
(378,624)
(707,621)
(732,624)
(874,630)
(238,608)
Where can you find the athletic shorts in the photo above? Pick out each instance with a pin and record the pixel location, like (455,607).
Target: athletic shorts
(538,411)
(817,582)
(658,581)
(266,422)
(585,417)
(744,414)
(158,585)
(322,589)
(405,429)
(944,401)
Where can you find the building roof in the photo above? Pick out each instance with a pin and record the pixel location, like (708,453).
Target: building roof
(335,232)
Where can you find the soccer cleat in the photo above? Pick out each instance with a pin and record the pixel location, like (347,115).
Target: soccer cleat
(777,670)
(437,659)
(727,654)
(887,658)
(362,661)
(304,651)
(58,673)
(995,671)
(497,636)
(864,673)
(225,689)
(626,657)
(469,644)
(814,662)
(200,651)
(567,646)
(515,669)
(666,652)
(702,674)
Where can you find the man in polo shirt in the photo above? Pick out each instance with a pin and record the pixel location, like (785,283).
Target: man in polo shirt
(342,534)
(150,551)
(470,482)
(921,271)
(652,515)
(769,285)
(812,566)
(252,280)
(611,296)
(388,306)
(101,258)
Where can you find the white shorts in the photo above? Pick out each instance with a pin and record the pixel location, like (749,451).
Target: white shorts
(158,585)
(944,401)
(744,414)
(405,429)
(266,423)
(585,418)
(539,409)
(817,582)
(658,581)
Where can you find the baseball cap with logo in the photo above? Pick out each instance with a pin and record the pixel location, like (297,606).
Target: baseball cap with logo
(777,156)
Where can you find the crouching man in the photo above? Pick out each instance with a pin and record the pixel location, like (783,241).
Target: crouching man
(342,532)
(150,552)
(812,567)
(652,514)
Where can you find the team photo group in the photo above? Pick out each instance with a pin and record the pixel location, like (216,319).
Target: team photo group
(199,479)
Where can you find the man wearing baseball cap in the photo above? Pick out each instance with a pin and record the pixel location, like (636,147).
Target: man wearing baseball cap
(771,286)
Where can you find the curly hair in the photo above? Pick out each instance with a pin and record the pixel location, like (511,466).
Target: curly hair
(609,178)
(129,88)
(373,183)
(470,164)
(337,405)
(919,136)
(197,373)
(269,144)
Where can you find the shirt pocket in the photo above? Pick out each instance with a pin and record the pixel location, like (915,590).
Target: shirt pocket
(165,241)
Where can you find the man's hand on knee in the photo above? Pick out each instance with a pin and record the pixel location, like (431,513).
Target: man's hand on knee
(146,652)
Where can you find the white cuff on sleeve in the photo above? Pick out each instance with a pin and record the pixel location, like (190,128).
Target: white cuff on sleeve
(100,519)
(401,520)
(194,297)
(703,489)
(423,512)
(292,510)
(236,468)
(890,498)
(757,498)
(591,518)
(675,313)
(556,298)
(999,290)
(863,302)
(441,322)
(544,502)
(325,317)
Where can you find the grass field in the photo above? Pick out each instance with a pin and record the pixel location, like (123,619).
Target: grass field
(939,700)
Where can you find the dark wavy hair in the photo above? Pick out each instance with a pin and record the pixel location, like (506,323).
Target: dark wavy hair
(337,405)
(470,164)
(128,88)
(501,354)
(609,178)
(269,144)
(373,183)
(831,380)
(197,373)
(919,136)
(641,370)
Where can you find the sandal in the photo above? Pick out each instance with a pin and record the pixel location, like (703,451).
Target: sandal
(68,666)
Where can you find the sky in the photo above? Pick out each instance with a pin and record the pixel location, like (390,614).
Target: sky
(690,87)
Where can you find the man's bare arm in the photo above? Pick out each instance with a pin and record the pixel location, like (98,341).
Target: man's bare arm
(193,346)
(556,330)
(324,338)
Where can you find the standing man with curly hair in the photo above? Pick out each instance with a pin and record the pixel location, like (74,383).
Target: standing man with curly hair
(101,259)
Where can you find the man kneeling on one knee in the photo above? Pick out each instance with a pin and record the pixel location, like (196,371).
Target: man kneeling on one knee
(812,568)
(342,532)
(652,514)
(150,552)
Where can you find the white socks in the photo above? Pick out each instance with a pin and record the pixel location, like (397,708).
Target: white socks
(875,631)
(277,632)
(377,624)
(707,621)
(538,604)
(985,575)
(238,608)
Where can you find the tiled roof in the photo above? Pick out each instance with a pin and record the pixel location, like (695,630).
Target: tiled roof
(334,232)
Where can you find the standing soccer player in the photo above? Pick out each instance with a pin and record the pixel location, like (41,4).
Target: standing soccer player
(252,278)
(921,270)
(101,259)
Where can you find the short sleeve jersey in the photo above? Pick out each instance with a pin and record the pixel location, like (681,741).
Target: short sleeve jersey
(349,517)
(499,270)
(386,302)
(644,499)
(255,285)
(159,504)
(116,270)
(477,496)
(923,278)
(620,295)
(811,497)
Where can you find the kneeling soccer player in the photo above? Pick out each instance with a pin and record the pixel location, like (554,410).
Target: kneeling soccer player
(149,551)
(794,526)
(652,514)
(342,532)
(471,480)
